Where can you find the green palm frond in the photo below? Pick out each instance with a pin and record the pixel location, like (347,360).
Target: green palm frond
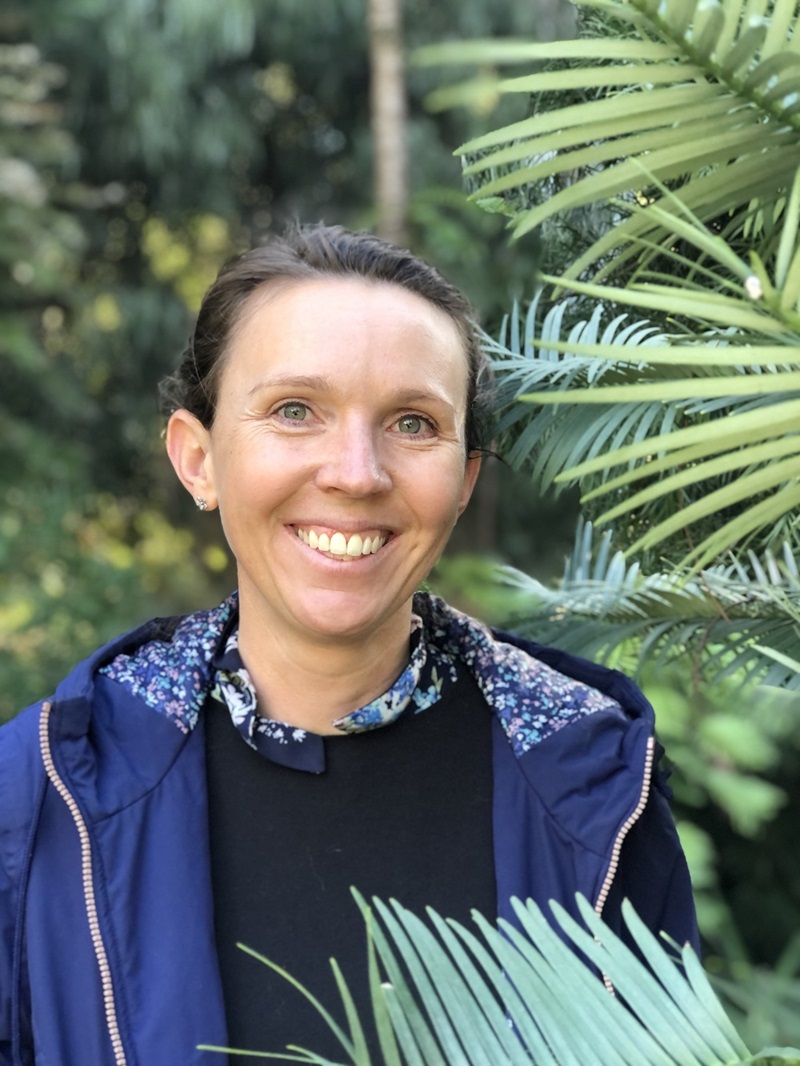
(530,354)
(738,621)
(703,94)
(450,997)
(680,120)
(718,441)
(691,435)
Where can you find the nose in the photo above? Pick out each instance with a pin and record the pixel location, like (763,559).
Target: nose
(353,463)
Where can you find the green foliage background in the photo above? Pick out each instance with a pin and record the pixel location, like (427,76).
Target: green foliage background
(141,146)
(657,373)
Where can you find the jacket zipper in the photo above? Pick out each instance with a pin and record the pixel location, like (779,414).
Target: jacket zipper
(625,828)
(109,1002)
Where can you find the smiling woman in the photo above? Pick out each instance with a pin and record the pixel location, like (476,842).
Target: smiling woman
(340,420)
(226,777)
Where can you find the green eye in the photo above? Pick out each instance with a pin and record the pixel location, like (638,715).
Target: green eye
(411,424)
(294,412)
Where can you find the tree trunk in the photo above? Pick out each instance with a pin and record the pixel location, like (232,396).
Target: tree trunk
(388,117)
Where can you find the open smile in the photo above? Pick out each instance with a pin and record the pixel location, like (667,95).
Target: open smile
(343,546)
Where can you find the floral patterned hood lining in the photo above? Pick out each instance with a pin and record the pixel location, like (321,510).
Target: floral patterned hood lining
(202,659)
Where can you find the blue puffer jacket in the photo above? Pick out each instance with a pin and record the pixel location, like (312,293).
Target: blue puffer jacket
(107,950)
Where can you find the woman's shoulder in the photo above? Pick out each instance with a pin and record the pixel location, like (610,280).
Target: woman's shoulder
(170,671)
(533,690)
(174,646)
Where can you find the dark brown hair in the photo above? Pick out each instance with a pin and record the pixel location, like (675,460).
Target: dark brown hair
(310,252)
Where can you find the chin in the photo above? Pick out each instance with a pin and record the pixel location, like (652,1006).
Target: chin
(334,618)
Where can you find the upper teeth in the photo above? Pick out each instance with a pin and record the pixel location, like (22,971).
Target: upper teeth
(338,544)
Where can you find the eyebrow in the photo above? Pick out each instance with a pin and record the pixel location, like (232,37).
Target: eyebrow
(412,396)
(293,381)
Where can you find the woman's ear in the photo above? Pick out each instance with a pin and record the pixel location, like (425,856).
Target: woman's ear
(189,450)
(471,472)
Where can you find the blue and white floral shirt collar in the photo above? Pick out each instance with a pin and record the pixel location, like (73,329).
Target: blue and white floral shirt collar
(530,699)
(418,687)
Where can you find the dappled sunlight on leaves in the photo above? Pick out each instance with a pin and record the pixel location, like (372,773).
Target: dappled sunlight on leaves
(75,578)
(189,259)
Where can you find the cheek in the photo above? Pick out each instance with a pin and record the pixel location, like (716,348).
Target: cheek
(249,464)
(440,496)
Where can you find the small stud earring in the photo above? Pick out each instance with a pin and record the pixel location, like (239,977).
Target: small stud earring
(202,503)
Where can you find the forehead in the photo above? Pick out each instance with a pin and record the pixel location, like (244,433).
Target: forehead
(351,333)
(326,313)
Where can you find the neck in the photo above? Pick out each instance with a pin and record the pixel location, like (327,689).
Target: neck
(310,684)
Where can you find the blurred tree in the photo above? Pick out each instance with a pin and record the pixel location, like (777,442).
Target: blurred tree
(389,118)
(76,564)
(261,120)
(40,248)
(146,145)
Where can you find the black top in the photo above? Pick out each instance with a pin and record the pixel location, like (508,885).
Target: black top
(404,812)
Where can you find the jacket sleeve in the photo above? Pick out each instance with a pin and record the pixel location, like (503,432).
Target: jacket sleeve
(21,782)
(654,876)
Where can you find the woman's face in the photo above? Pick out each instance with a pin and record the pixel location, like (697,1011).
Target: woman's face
(337,454)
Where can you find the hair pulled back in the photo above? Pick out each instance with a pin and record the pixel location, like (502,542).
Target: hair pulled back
(307,253)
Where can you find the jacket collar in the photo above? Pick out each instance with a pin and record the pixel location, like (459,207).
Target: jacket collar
(533,691)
